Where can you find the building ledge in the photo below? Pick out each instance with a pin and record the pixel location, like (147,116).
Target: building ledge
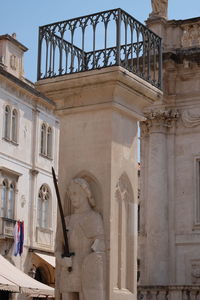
(27,87)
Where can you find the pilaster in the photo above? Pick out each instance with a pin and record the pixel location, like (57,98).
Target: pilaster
(157,127)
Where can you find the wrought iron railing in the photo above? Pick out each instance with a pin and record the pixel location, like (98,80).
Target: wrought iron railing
(109,38)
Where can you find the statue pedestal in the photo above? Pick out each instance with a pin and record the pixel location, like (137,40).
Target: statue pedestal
(99,112)
(158,25)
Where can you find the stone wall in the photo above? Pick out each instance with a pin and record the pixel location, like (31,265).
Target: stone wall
(169,238)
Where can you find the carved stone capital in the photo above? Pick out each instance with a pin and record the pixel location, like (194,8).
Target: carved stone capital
(159,120)
(144,128)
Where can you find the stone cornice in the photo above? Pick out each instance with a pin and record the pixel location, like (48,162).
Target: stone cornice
(100,87)
(26,88)
(179,55)
(14,41)
(183,22)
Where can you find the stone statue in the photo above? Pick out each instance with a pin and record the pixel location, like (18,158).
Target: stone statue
(85,233)
(159,8)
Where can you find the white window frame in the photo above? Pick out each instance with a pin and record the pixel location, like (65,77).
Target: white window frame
(7,122)
(11,186)
(14,124)
(11,178)
(10,129)
(43,132)
(11,201)
(4,196)
(49,141)
(46,140)
(44,207)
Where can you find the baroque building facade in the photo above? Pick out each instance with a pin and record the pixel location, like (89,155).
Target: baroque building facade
(29,138)
(169,236)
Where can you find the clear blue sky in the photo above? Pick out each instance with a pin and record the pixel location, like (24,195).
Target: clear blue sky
(25,16)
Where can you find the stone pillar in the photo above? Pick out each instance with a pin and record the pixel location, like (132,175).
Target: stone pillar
(99,111)
(158,25)
(156,206)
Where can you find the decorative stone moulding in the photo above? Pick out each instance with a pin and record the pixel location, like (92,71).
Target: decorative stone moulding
(44,237)
(191,35)
(162,117)
(190,119)
(177,292)
(13,62)
(195,271)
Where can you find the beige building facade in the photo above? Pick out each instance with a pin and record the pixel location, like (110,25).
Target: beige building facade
(29,139)
(169,236)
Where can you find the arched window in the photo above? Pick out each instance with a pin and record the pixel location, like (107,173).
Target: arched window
(125,228)
(46,140)
(49,142)
(7,121)
(8,190)
(10,124)
(14,125)
(4,194)
(11,201)
(43,139)
(43,207)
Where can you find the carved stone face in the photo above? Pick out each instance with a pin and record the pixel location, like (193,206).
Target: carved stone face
(78,196)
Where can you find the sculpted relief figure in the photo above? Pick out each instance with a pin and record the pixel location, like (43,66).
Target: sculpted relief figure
(85,233)
(159,8)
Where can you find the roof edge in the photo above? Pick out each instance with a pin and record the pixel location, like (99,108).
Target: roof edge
(13,40)
(26,86)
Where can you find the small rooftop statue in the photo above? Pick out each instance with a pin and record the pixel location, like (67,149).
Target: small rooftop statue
(159,9)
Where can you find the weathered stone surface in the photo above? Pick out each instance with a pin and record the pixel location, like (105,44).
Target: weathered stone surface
(169,239)
(99,111)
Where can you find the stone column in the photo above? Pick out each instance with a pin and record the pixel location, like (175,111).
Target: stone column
(99,111)
(157,226)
